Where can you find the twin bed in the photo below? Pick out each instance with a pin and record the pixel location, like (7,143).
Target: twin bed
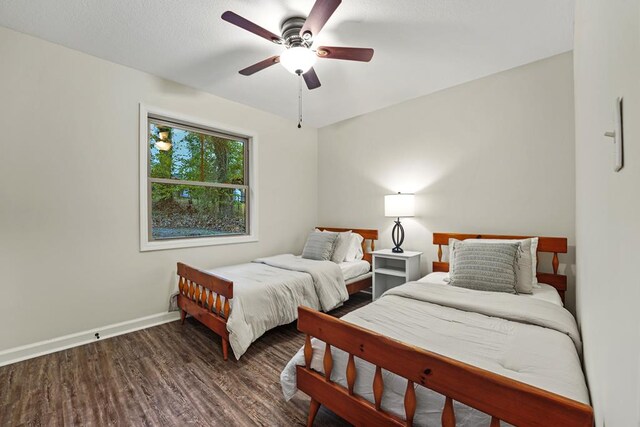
(242,302)
(425,352)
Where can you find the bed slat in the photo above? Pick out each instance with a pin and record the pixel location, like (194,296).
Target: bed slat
(378,387)
(226,308)
(210,301)
(181,285)
(308,351)
(327,362)
(410,403)
(351,373)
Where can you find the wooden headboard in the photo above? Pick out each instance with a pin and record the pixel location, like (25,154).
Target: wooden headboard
(555,245)
(369,235)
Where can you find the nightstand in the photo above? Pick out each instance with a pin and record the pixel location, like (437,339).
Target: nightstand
(392,269)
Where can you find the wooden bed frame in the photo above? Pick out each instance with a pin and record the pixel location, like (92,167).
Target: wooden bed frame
(206,296)
(500,397)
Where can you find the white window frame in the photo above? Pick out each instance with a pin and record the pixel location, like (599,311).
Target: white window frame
(146,244)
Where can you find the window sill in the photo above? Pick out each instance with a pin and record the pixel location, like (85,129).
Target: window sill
(159,245)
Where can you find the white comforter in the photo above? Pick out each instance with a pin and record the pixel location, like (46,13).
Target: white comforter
(328,279)
(529,340)
(268,291)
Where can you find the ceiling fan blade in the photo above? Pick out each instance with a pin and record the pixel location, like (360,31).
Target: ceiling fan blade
(311,79)
(260,66)
(319,15)
(245,24)
(348,53)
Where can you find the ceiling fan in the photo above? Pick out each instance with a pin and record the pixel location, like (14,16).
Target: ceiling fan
(297,37)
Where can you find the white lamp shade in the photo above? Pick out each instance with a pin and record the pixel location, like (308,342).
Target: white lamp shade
(399,205)
(298,59)
(163,145)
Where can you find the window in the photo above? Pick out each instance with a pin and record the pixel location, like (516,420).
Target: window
(197,180)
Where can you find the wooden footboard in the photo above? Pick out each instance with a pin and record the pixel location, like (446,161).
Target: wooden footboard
(205,296)
(500,397)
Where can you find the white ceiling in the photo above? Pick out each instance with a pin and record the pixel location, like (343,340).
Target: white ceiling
(421,46)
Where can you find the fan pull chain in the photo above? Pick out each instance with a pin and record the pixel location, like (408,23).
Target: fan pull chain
(300,101)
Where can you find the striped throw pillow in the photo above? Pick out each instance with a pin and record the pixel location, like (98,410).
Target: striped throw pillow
(319,246)
(485,266)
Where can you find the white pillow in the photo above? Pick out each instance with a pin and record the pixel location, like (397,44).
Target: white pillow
(355,248)
(341,245)
(527,263)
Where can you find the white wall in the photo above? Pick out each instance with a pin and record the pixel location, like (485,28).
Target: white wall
(495,155)
(69,249)
(607,65)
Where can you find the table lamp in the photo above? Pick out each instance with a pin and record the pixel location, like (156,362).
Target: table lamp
(398,206)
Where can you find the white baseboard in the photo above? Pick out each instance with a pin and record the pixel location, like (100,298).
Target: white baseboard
(41,348)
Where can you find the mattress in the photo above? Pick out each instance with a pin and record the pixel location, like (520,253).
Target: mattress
(353,269)
(541,291)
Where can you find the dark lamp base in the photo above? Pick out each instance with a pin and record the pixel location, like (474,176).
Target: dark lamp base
(397,236)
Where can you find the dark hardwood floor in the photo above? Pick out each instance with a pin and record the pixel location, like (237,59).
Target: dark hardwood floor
(167,375)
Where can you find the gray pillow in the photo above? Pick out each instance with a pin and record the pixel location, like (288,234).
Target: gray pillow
(319,246)
(485,266)
(525,271)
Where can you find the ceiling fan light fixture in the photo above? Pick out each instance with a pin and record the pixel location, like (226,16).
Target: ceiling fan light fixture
(163,144)
(298,59)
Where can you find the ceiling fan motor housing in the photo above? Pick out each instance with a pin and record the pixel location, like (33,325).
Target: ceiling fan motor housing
(291,33)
